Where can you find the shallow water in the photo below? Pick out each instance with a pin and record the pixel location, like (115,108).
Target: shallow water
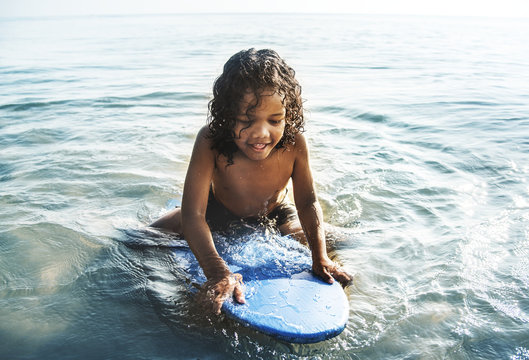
(418,130)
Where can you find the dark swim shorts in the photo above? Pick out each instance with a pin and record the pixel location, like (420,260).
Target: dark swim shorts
(219,218)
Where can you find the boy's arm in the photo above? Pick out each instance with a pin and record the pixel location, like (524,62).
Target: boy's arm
(311,216)
(221,283)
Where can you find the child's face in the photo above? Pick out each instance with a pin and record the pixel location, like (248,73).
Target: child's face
(258,130)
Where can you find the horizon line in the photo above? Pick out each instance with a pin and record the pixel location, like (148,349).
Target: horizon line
(132,14)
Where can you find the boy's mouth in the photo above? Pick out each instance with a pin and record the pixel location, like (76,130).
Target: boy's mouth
(258,147)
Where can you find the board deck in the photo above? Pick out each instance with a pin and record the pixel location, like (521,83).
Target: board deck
(298,309)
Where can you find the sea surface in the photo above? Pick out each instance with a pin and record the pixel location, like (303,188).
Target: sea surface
(419,136)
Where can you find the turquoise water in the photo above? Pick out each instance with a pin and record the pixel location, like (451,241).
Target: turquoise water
(419,134)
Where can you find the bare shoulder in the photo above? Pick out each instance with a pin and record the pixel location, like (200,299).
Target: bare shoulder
(300,145)
(199,173)
(203,135)
(301,159)
(202,150)
(203,140)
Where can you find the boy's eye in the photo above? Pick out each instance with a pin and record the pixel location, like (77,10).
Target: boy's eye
(243,122)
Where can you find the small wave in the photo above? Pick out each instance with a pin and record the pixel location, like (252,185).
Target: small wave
(34,136)
(149,237)
(149,99)
(352,113)
(347,133)
(440,167)
(34,81)
(8,70)
(33,104)
(172,96)
(331,109)
(361,67)
(476,103)
(110,101)
(6,171)
(376,118)
(445,104)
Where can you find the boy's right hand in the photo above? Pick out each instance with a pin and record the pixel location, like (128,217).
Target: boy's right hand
(217,290)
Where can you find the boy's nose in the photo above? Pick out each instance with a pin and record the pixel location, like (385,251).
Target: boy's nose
(259,131)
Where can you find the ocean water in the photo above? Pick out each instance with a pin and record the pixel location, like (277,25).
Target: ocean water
(419,135)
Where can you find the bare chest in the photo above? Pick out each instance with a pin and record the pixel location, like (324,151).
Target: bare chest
(250,187)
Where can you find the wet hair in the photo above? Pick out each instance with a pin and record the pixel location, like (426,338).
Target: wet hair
(255,71)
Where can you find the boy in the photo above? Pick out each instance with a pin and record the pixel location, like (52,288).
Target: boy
(241,165)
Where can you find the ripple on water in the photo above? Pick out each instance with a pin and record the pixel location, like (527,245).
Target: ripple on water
(490,263)
(37,293)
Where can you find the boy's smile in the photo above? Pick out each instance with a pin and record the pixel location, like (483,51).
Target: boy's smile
(259,126)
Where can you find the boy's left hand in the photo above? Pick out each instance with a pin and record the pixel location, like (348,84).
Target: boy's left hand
(328,270)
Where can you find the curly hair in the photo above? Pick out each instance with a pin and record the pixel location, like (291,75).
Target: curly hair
(255,71)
